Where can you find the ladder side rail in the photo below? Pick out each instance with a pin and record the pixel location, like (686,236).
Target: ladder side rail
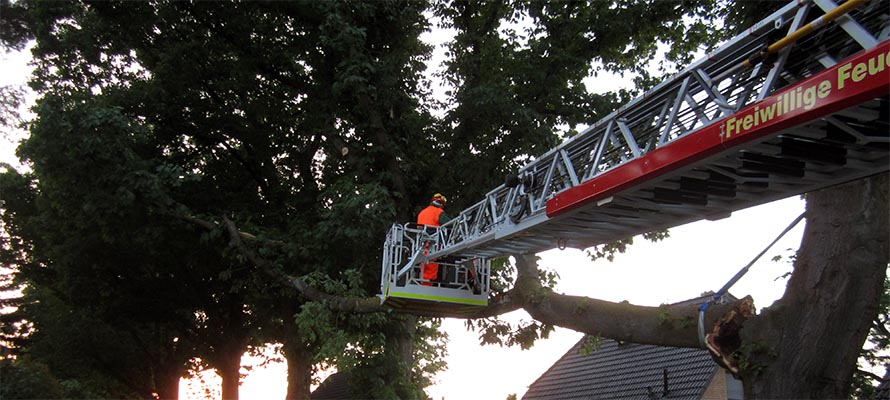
(499,206)
(536,189)
(642,116)
(387,267)
(671,128)
(392,257)
(846,37)
(591,158)
(579,156)
(566,176)
(468,221)
(490,212)
(512,195)
(751,87)
(545,189)
(694,114)
(458,231)
(598,153)
(850,25)
(536,193)
(476,216)
(675,109)
(477,220)
(582,198)
(772,76)
(629,139)
(417,247)
(474,219)
(716,96)
(616,149)
(705,101)
(657,126)
(884,34)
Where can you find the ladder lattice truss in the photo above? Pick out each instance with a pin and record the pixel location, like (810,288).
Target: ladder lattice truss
(730,131)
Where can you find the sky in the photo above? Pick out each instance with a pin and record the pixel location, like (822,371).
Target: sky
(14,70)
(698,257)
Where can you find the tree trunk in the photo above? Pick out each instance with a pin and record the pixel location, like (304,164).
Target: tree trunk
(230,372)
(299,370)
(400,341)
(167,381)
(807,343)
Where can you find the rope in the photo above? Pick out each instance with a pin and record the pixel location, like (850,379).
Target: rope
(720,293)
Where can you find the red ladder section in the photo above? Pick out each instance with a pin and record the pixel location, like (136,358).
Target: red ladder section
(784,139)
(821,131)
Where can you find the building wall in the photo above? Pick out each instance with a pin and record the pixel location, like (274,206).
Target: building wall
(723,387)
(717,388)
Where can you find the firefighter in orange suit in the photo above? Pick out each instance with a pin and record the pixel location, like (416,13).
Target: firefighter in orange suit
(433,215)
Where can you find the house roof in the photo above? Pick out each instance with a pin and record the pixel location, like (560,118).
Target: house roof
(626,371)
(335,387)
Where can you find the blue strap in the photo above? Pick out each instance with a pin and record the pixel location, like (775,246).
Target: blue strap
(720,293)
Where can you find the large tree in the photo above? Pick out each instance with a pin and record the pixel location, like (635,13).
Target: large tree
(155,118)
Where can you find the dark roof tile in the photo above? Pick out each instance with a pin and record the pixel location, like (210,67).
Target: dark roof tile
(625,371)
(335,387)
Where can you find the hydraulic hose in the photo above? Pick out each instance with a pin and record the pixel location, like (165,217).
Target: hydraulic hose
(792,37)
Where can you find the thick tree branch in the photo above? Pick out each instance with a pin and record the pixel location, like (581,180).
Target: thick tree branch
(348,304)
(871,375)
(208,225)
(675,325)
(665,325)
(879,326)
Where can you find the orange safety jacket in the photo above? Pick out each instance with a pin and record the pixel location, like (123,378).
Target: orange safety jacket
(430,216)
